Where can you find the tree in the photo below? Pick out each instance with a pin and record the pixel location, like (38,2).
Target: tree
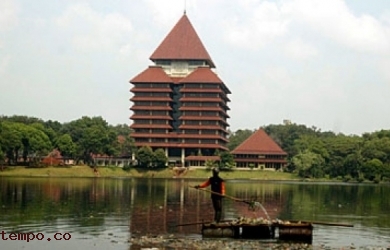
(308,164)
(227,160)
(11,140)
(378,148)
(160,159)
(286,134)
(1,157)
(339,147)
(66,146)
(210,164)
(373,169)
(35,142)
(352,165)
(145,156)
(18,138)
(126,145)
(91,136)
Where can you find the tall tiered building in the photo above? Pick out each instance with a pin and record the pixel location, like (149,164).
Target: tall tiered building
(179,103)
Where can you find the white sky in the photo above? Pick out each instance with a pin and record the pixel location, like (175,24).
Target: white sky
(318,63)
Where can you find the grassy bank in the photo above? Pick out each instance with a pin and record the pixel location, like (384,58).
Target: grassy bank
(85,171)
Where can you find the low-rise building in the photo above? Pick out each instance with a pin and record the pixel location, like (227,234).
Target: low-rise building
(260,151)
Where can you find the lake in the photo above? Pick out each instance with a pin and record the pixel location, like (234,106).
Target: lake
(104,213)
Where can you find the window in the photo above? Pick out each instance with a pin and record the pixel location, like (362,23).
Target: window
(191,113)
(209,113)
(195,63)
(190,122)
(208,132)
(142,85)
(191,141)
(191,131)
(159,122)
(209,122)
(192,85)
(141,121)
(210,86)
(158,112)
(207,141)
(163,62)
(158,131)
(141,131)
(141,112)
(158,140)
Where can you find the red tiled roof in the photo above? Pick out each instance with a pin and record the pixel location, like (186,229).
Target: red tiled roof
(152,74)
(201,99)
(202,136)
(147,135)
(179,145)
(151,98)
(176,79)
(193,90)
(182,43)
(202,75)
(202,127)
(201,118)
(151,117)
(162,90)
(137,107)
(259,143)
(150,126)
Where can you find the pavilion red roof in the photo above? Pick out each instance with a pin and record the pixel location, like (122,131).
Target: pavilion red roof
(259,143)
(182,43)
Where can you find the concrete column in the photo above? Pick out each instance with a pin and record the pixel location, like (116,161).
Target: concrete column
(182,156)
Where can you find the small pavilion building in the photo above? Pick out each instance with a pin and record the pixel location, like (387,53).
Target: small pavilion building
(260,151)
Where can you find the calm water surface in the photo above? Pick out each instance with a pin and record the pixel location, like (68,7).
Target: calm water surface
(104,213)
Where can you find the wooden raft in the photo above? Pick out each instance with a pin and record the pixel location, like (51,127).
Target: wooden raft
(293,231)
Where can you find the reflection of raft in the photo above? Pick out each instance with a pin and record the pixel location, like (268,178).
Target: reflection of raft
(244,231)
(290,231)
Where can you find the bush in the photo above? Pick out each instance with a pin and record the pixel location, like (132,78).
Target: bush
(127,167)
(347,178)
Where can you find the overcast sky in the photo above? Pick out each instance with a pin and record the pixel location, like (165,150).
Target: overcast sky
(318,63)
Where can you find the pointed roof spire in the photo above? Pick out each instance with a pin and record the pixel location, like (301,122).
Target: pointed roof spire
(259,143)
(182,43)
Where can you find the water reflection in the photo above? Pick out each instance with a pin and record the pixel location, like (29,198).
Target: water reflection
(117,209)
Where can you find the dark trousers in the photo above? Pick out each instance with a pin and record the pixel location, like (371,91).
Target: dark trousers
(217,205)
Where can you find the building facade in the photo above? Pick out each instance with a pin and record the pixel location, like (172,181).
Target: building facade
(180,104)
(261,152)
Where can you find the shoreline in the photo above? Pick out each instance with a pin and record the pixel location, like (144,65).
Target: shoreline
(82,171)
(117,172)
(166,173)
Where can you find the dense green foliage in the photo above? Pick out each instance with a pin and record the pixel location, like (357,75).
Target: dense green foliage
(316,154)
(311,152)
(24,137)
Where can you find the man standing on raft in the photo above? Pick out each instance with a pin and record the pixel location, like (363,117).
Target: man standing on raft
(217,186)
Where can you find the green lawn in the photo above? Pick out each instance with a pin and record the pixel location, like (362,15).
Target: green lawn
(85,171)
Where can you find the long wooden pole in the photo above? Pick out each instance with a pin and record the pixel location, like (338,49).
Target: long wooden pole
(329,223)
(227,196)
(198,223)
(248,202)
